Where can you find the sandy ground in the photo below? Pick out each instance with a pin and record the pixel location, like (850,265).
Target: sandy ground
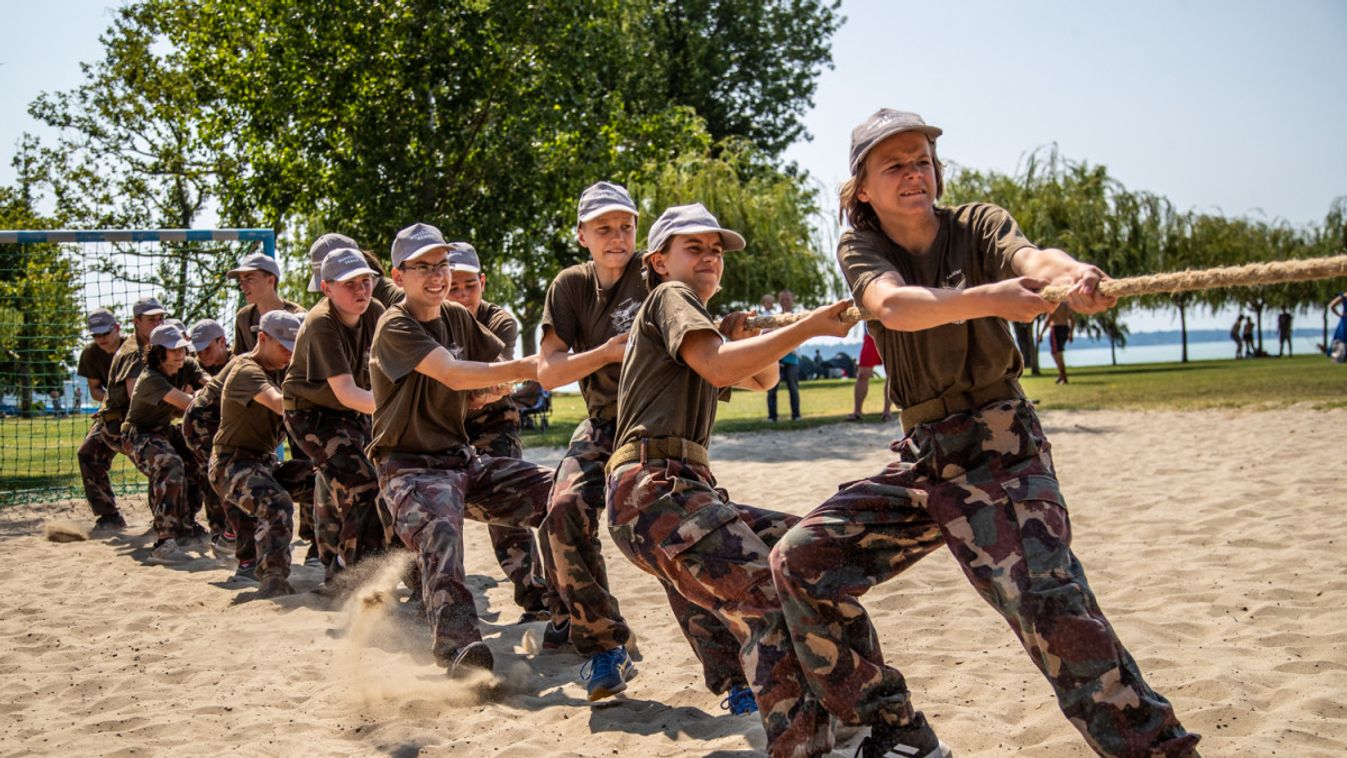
(1213,539)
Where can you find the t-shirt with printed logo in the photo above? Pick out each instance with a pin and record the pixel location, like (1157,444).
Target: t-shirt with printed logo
(660,395)
(584,316)
(246,424)
(324,348)
(974,245)
(414,413)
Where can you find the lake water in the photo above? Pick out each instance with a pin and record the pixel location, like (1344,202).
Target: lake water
(1197,351)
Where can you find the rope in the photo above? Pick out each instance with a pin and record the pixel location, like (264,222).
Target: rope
(1249,275)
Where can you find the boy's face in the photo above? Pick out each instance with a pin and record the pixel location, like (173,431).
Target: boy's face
(697,260)
(610,238)
(900,176)
(425,281)
(273,354)
(174,357)
(108,342)
(466,288)
(146,324)
(352,296)
(255,284)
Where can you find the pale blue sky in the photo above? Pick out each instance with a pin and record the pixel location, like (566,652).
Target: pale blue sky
(1234,106)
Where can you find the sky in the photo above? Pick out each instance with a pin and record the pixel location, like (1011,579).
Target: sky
(1227,106)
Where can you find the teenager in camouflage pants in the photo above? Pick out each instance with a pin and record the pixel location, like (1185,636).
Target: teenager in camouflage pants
(973,473)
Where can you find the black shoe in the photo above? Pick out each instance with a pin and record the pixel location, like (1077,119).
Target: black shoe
(311,558)
(113,523)
(475,656)
(246,573)
(555,636)
(274,586)
(915,740)
(529,617)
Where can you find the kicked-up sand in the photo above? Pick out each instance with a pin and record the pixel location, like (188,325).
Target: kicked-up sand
(1214,540)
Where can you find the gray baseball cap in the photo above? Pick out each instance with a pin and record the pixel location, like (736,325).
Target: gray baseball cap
(604,197)
(101,321)
(281,325)
(320,249)
(463,257)
(415,241)
(204,332)
(257,262)
(345,264)
(147,306)
(690,219)
(881,125)
(169,336)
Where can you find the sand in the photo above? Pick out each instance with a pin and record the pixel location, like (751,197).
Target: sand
(1214,541)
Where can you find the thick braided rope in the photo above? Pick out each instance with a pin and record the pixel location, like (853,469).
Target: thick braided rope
(1249,275)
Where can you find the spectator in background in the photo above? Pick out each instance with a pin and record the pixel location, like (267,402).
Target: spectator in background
(1284,332)
(869,359)
(1063,326)
(789,367)
(1248,337)
(1337,347)
(1235,332)
(768,305)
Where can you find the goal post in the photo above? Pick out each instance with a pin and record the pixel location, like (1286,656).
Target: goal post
(50,280)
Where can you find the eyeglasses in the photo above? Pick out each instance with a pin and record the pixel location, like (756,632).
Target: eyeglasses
(425,268)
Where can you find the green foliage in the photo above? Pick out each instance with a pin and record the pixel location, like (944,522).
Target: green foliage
(772,209)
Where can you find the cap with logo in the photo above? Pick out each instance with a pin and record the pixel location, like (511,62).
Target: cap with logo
(881,125)
(604,197)
(345,264)
(463,257)
(320,249)
(257,262)
(147,306)
(416,241)
(169,336)
(281,325)
(690,219)
(204,332)
(101,321)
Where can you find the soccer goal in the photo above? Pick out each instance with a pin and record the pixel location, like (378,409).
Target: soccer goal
(49,282)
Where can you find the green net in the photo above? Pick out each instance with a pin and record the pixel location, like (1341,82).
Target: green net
(49,282)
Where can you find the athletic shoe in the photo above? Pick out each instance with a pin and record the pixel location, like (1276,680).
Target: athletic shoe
(555,636)
(607,673)
(223,545)
(475,656)
(167,551)
(740,701)
(311,558)
(246,572)
(113,523)
(274,586)
(529,617)
(916,740)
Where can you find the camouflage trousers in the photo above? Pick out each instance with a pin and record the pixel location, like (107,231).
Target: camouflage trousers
(346,522)
(265,494)
(199,425)
(163,457)
(494,431)
(95,455)
(981,483)
(428,496)
(671,520)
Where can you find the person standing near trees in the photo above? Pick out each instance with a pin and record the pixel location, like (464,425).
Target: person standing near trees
(1337,347)
(1060,325)
(96,459)
(665,510)
(494,430)
(1249,350)
(163,391)
(258,277)
(1237,334)
(974,471)
(94,455)
(1284,333)
(789,370)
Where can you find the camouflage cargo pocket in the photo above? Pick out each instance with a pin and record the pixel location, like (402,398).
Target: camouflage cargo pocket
(713,547)
(1045,528)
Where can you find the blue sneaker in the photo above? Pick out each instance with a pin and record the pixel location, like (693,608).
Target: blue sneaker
(740,701)
(607,673)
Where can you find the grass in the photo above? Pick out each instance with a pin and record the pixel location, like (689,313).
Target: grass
(39,454)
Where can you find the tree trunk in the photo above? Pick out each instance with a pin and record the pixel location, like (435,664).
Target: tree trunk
(1258,320)
(1113,349)
(528,334)
(1325,345)
(1183,329)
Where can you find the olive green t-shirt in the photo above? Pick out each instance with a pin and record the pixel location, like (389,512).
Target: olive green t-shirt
(126,364)
(414,413)
(244,422)
(499,322)
(660,396)
(210,394)
(584,316)
(245,325)
(974,245)
(147,410)
(324,348)
(96,363)
(386,292)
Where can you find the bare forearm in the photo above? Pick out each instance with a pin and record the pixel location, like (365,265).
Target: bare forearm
(912,309)
(558,368)
(1047,263)
(472,375)
(753,360)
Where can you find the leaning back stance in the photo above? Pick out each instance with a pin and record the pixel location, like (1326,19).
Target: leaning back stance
(973,472)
